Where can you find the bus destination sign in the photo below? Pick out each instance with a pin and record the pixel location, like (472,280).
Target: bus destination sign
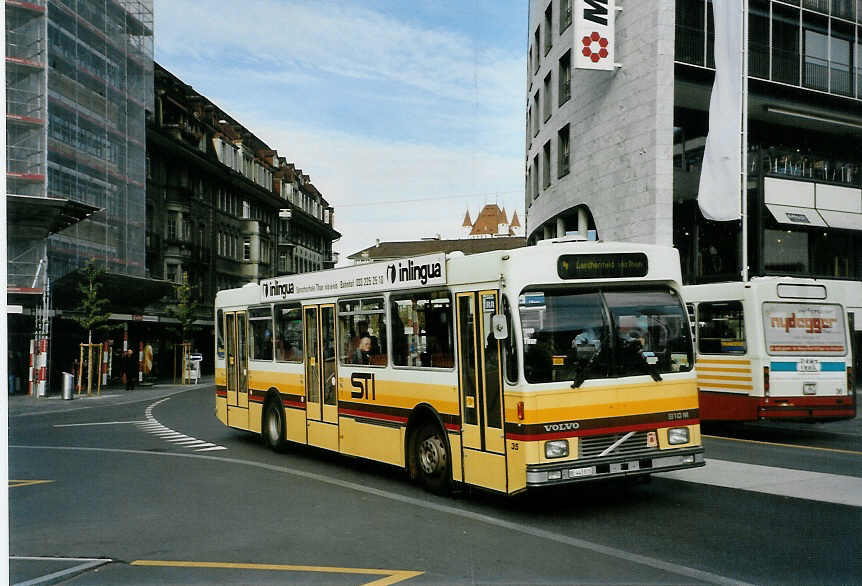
(602,266)
(407,273)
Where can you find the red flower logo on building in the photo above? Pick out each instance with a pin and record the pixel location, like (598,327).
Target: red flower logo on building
(598,52)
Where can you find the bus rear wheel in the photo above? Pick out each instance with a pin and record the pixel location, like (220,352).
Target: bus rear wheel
(273,426)
(432,459)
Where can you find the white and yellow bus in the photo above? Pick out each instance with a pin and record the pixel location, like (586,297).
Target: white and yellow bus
(563,362)
(773,348)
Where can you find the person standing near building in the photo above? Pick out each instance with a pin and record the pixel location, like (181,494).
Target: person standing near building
(130,369)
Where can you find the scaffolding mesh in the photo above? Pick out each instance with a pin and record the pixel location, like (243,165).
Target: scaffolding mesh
(100,84)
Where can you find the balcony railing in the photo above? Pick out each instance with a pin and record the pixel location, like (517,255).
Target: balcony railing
(807,165)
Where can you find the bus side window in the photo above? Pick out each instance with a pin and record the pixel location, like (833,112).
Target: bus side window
(362,331)
(510,346)
(260,328)
(288,333)
(422,330)
(721,327)
(220,334)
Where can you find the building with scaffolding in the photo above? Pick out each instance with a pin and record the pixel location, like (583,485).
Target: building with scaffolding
(78,83)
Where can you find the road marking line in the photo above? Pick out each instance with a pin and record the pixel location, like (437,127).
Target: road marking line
(88,564)
(101,423)
(390,576)
(517,527)
(151,425)
(17,483)
(749,441)
(802,484)
(212,449)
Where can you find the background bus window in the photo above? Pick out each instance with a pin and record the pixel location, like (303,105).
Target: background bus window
(219,326)
(362,331)
(260,328)
(422,330)
(288,333)
(720,328)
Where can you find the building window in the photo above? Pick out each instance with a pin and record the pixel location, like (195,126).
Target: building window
(187,230)
(549,30)
(565,77)
(171,229)
(785,44)
(565,15)
(548,94)
(535,176)
(246,248)
(536,40)
(546,165)
(536,113)
(816,39)
(563,151)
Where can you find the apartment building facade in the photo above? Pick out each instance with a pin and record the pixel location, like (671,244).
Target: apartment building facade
(223,208)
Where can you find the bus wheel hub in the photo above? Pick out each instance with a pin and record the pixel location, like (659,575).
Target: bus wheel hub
(432,455)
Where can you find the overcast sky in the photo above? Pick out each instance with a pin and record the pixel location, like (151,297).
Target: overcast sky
(380,102)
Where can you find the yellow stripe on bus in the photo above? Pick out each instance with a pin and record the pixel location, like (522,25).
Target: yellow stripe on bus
(722,361)
(711,369)
(726,386)
(721,377)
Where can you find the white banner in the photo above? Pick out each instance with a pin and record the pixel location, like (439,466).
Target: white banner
(719,192)
(407,273)
(594,34)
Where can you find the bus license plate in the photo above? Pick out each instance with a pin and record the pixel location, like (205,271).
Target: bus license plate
(809,388)
(808,365)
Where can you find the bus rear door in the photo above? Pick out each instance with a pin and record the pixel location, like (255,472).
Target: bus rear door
(236,342)
(481,390)
(321,377)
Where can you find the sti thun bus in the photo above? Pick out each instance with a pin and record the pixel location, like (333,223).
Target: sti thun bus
(773,348)
(563,362)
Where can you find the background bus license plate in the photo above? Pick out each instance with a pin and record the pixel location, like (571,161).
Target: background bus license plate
(808,365)
(809,388)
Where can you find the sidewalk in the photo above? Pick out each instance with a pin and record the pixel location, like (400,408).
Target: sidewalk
(21,405)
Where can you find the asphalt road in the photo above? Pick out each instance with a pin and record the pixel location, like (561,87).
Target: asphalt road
(153,482)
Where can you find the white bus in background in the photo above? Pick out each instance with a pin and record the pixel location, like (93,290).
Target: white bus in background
(774,348)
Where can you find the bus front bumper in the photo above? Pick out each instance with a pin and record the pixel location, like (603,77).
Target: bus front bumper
(614,467)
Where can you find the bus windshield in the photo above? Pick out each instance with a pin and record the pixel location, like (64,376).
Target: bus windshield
(580,334)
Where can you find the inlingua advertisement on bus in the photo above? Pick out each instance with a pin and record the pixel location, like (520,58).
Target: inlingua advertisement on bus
(804,328)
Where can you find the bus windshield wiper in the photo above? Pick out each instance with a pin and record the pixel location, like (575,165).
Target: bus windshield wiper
(650,362)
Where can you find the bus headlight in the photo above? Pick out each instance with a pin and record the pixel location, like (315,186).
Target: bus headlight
(557,449)
(677,435)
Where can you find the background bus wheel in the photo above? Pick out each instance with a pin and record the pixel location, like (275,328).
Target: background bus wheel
(273,426)
(432,459)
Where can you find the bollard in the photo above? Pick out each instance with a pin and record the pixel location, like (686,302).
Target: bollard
(68,385)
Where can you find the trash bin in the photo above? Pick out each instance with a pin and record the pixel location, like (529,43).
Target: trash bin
(194,367)
(68,385)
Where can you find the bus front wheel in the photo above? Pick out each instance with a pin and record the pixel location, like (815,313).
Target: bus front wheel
(273,426)
(432,459)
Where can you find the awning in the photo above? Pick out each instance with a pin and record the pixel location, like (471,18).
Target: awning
(125,293)
(37,217)
(846,220)
(798,216)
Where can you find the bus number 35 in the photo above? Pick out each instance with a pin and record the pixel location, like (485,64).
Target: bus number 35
(363,383)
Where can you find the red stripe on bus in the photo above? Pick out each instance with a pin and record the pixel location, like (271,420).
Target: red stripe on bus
(372,415)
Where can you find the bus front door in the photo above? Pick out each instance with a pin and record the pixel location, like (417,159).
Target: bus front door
(481,390)
(236,343)
(321,378)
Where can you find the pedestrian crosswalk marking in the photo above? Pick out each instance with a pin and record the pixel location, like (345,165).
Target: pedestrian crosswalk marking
(151,425)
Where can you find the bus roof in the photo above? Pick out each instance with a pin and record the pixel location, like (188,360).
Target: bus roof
(776,287)
(550,262)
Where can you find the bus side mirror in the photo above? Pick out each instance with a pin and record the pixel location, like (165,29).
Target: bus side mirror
(500,326)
